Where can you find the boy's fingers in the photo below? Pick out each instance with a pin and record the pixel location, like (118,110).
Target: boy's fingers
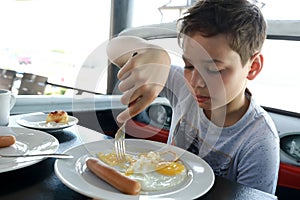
(125,70)
(123,116)
(135,108)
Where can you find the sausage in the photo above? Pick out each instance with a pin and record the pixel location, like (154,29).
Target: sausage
(113,177)
(6,141)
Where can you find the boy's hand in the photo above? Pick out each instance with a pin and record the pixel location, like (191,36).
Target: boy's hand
(142,79)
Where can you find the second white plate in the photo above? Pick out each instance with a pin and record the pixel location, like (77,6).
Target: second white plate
(27,142)
(38,121)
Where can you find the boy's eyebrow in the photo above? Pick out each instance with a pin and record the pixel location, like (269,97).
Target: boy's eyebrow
(205,61)
(213,61)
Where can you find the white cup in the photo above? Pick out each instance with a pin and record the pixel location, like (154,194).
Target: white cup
(7,101)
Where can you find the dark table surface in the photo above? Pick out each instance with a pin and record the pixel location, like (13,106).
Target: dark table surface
(39,181)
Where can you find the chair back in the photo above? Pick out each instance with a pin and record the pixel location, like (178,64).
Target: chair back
(32,84)
(7,78)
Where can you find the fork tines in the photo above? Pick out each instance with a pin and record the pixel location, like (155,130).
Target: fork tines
(120,149)
(120,143)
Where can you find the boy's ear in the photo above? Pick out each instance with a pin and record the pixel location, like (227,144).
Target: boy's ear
(256,65)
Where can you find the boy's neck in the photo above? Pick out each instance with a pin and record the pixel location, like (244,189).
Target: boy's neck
(234,111)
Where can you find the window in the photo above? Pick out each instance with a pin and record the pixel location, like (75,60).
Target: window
(52,38)
(278,83)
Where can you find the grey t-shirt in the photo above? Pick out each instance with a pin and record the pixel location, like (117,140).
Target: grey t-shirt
(246,152)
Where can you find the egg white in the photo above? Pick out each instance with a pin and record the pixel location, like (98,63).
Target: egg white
(142,168)
(154,181)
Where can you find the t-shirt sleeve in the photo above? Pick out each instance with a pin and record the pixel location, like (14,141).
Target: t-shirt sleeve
(259,165)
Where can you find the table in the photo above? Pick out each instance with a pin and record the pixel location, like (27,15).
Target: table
(40,182)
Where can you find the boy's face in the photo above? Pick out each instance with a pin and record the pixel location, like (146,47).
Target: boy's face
(214,71)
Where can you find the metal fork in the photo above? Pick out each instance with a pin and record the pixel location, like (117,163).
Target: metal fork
(120,143)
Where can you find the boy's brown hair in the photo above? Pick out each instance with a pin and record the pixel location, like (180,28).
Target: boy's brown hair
(241,21)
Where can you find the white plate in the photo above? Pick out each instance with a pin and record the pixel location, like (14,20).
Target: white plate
(27,142)
(74,173)
(38,121)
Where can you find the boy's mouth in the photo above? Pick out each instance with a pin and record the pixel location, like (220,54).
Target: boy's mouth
(202,99)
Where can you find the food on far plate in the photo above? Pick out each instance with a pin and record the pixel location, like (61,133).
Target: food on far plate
(6,141)
(58,116)
(150,170)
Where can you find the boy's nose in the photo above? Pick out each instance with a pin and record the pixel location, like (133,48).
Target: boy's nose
(197,80)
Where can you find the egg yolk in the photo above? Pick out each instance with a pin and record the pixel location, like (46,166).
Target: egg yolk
(169,168)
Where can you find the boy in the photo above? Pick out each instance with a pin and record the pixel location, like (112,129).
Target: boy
(214,114)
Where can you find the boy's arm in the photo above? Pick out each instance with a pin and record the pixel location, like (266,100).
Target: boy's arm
(259,166)
(142,76)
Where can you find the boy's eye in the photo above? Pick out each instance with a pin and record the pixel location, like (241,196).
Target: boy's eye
(215,71)
(189,67)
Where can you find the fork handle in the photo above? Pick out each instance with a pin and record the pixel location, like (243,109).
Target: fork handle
(53,155)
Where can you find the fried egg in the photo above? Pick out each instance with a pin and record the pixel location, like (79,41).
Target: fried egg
(153,172)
